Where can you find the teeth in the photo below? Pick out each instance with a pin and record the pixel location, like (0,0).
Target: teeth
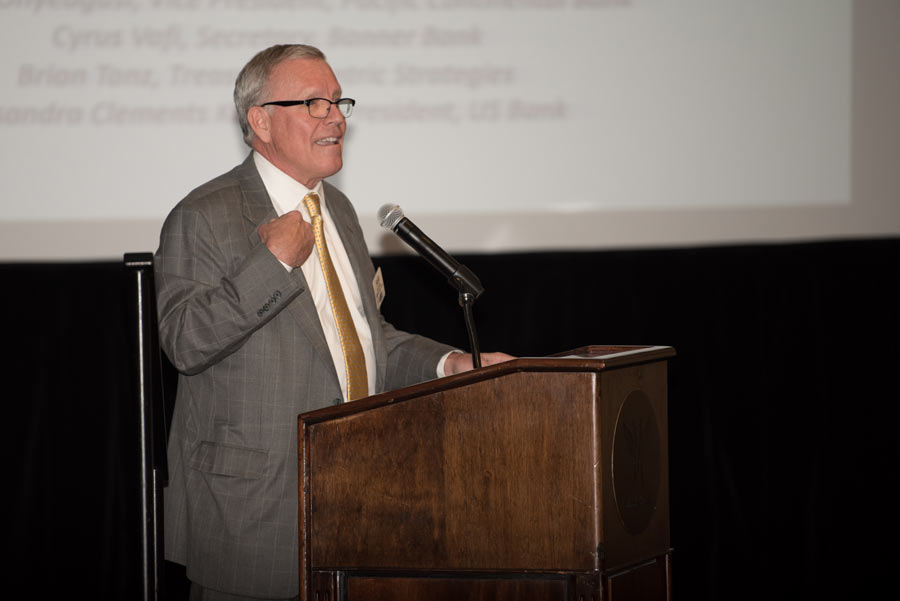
(324,141)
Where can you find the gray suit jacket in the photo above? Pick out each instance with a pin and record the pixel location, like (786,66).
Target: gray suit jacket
(246,339)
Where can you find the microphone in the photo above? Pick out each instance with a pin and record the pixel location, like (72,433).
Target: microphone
(459,276)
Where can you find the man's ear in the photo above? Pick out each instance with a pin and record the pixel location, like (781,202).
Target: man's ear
(261,123)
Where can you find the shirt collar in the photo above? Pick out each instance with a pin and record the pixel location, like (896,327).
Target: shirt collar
(286,192)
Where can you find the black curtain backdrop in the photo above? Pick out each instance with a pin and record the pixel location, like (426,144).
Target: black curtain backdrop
(783,404)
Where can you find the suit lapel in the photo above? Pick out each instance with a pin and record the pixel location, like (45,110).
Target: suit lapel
(257,210)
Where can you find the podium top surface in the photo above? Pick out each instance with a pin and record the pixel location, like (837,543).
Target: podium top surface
(616,353)
(593,358)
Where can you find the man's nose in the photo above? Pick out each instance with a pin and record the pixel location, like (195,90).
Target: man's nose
(334,114)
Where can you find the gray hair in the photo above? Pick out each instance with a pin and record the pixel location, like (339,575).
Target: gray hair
(250,85)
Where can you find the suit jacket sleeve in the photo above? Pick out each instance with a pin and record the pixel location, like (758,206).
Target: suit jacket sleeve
(411,358)
(211,298)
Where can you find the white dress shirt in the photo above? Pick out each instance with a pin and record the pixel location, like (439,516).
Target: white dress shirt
(287,195)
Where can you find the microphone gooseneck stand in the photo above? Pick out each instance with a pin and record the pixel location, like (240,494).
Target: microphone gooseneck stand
(470,288)
(466,301)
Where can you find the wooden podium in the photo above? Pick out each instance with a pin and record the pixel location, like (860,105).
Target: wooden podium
(533,479)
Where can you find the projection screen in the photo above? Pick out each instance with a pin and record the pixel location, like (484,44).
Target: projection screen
(497,125)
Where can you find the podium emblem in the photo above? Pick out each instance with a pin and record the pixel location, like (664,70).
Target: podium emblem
(636,462)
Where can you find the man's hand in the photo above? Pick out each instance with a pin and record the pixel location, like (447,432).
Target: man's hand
(460,362)
(289,238)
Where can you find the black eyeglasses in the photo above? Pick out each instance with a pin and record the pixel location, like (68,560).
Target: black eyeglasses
(318,107)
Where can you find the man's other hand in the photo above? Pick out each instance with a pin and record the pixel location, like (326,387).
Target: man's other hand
(460,362)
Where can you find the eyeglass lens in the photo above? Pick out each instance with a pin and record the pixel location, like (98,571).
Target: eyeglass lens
(319,107)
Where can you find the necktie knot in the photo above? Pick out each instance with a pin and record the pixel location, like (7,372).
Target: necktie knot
(311,201)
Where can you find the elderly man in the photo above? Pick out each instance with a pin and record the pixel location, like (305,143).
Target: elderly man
(267,309)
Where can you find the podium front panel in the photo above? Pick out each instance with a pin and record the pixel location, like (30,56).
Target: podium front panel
(501,474)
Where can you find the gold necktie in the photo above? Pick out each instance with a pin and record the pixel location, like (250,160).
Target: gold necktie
(354,359)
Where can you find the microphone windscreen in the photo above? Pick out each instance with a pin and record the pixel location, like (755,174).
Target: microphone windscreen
(390,215)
